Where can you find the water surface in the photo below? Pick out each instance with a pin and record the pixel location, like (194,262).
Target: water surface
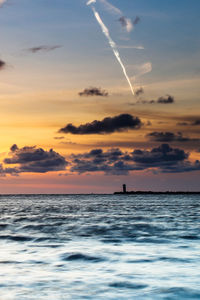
(99,247)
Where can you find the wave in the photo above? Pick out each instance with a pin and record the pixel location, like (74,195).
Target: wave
(181,293)
(80,257)
(16,238)
(127,285)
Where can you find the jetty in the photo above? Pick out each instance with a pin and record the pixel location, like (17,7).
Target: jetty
(125,192)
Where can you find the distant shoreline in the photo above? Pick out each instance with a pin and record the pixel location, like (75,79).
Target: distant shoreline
(106,194)
(151,192)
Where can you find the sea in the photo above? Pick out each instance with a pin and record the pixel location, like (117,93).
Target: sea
(55,247)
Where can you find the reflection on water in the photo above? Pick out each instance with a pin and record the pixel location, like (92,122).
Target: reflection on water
(99,247)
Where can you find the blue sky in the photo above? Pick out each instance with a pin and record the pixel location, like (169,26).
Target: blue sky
(168,31)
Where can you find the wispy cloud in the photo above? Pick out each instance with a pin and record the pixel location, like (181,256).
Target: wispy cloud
(191,121)
(110,7)
(143,69)
(130,47)
(168,137)
(161,100)
(44,48)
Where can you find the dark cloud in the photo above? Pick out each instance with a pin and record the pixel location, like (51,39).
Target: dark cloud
(167,137)
(5,171)
(166,100)
(136,20)
(159,157)
(139,92)
(93,91)
(13,148)
(108,125)
(146,102)
(123,21)
(196,123)
(186,166)
(161,100)
(192,122)
(114,161)
(2,64)
(44,48)
(109,162)
(182,124)
(36,160)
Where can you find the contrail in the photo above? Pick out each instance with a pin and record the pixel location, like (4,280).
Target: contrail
(111,42)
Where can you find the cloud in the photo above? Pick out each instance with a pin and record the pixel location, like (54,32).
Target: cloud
(2,64)
(114,161)
(93,91)
(43,48)
(5,171)
(192,121)
(111,8)
(109,162)
(159,157)
(167,137)
(126,23)
(161,100)
(164,159)
(196,123)
(108,125)
(130,47)
(35,160)
(13,148)
(137,20)
(166,100)
(139,91)
(182,124)
(59,137)
(143,69)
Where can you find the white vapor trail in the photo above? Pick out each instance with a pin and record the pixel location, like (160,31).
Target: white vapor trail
(91,1)
(112,44)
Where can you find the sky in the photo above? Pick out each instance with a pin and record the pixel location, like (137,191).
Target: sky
(95,94)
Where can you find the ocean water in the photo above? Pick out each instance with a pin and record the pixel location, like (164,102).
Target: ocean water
(99,247)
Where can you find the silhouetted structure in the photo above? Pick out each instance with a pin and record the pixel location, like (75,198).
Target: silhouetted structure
(153,192)
(124,188)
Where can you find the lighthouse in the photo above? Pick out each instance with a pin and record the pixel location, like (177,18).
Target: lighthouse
(124,188)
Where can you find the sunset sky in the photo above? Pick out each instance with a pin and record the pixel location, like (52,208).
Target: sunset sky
(68,119)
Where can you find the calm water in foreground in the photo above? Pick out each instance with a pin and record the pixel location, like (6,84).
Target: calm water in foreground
(99,247)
